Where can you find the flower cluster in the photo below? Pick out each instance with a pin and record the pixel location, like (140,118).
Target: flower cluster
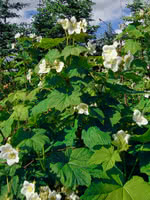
(9,153)
(57,65)
(111,58)
(28,190)
(139,118)
(72,26)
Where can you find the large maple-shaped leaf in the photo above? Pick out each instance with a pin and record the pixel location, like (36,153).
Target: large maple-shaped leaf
(58,100)
(71,50)
(134,189)
(106,157)
(72,167)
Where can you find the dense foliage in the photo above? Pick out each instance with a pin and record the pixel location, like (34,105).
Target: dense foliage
(80,131)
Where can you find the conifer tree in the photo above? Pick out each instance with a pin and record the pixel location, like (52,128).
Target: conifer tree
(7,30)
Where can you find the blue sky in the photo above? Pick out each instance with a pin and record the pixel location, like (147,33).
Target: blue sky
(108,10)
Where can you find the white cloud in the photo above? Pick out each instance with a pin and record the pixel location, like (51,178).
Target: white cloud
(107,10)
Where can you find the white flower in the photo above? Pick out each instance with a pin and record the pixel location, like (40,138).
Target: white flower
(32,35)
(109,52)
(13,45)
(28,189)
(40,84)
(116,44)
(17,35)
(5,149)
(64,22)
(147,95)
(91,48)
(43,68)
(54,196)
(9,153)
(82,108)
(83,25)
(139,118)
(58,66)
(39,38)
(29,75)
(73,196)
(74,26)
(113,64)
(12,157)
(141,13)
(34,196)
(121,134)
(127,60)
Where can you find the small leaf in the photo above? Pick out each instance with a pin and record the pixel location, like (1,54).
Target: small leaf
(132,46)
(94,136)
(106,157)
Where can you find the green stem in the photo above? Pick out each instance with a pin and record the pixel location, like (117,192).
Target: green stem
(133,168)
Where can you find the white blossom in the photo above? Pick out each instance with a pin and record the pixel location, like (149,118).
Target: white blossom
(17,35)
(74,26)
(40,84)
(39,38)
(13,45)
(43,68)
(58,66)
(28,189)
(82,108)
(147,95)
(83,25)
(32,35)
(64,22)
(54,196)
(127,60)
(91,48)
(73,196)
(29,75)
(109,52)
(7,148)
(9,153)
(121,135)
(34,196)
(139,118)
(113,63)
(12,157)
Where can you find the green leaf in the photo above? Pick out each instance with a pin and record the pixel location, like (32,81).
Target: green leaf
(133,32)
(94,136)
(34,140)
(52,55)
(71,50)
(134,189)
(20,112)
(142,138)
(48,43)
(15,184)
(57,100)
(106,157)
(115,118)
(6,126)
(132,46)
(72,167)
